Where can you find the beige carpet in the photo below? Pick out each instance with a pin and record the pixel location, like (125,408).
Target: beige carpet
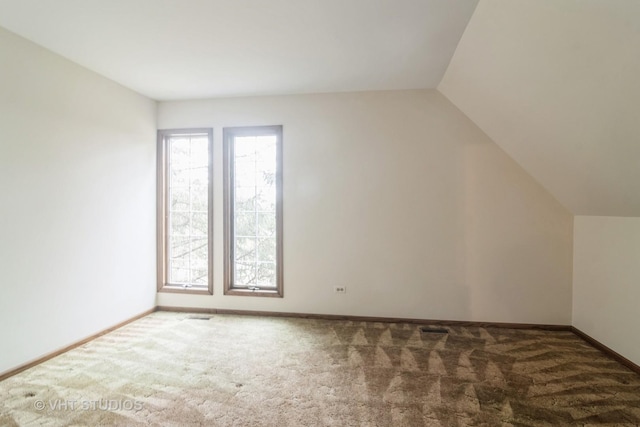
(179,370)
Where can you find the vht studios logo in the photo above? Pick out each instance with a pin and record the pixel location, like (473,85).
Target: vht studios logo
(88,405)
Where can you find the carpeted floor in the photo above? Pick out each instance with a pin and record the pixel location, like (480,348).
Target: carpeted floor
(176,369)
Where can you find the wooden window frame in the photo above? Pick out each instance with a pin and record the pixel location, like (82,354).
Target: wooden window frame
(229,133)
(162,202)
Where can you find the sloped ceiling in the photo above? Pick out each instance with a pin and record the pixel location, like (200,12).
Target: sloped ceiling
(181,49)
(557,85)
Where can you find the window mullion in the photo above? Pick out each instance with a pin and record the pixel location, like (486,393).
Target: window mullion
(180,208)
(245,275)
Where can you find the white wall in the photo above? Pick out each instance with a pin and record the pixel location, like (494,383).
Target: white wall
(555,84)
(77,220)
(398,196)
(606,282)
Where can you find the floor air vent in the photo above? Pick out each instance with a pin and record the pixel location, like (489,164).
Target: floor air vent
(430,330)
(198,318)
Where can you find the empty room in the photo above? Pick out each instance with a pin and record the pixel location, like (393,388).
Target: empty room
(319,212)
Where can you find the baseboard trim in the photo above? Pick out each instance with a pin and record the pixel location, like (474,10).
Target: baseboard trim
(24,367)
(367,318)
(593,342)
(607,351)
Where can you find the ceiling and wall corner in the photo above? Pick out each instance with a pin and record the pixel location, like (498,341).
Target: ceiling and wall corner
(551,83)
(556,85)
(167,49)
(77,178)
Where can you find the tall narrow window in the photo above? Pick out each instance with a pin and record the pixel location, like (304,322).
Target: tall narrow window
(185,210)
(253,210)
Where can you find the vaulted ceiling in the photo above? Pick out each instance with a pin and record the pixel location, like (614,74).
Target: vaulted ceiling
(555,83)
(181,49)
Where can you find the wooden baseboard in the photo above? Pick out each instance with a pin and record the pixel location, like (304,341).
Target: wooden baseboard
(593,342)
(14,371)
(607,351)
(367,318)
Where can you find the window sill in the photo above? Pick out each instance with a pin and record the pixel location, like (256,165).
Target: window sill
(253,292)
(180,290)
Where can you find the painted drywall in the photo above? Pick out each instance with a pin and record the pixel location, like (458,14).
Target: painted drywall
(203,48)
(77,213)
(402,199)
(555,84)
(605,282)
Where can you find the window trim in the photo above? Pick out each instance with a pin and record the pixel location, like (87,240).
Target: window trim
(162,209)
(229,133)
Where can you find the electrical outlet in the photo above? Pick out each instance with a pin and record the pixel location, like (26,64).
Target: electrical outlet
(340,289)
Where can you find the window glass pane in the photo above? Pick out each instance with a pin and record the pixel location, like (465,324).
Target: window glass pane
(199,250)
(244,149)
(245,224)
(266,275)
(177,245)
(199,156)
(179,224)
(266,224)
(266,250)
(199,224)
(245,274)
(179,176)
(180,258)
(245,250)
(179,197)
(179,150)
(179,275)
(266,150)
(188,189)
(254,210)
(199,199)
(199,276)
(266,178)
(245,199)
(199,176)
(245,175)
(266,199)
